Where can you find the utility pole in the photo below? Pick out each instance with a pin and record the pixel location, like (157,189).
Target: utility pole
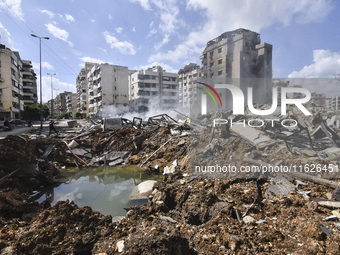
(41,106)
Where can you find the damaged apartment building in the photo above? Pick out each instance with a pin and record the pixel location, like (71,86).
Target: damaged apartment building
(107,86)
(237,57)
(153,87)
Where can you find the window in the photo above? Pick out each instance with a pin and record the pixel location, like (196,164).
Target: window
(211,64)
(220,72)
(219,61)
(219,50)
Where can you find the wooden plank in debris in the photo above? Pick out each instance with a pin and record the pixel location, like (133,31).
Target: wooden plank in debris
(332,204)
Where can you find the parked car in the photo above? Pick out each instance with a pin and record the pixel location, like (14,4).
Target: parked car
(17,122)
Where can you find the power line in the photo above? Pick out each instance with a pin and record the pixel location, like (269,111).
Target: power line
(64,64)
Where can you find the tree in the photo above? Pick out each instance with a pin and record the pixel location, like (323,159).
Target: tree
(32,112)
(77,115)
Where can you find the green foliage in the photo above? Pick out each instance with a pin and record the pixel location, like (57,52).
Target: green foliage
(32,112)
(77,115)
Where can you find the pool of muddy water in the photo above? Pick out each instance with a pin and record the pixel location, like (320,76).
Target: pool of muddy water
(105,189)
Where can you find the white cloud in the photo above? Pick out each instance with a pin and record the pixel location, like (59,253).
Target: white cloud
(14,6)
(44,65)
(219,16)
(92,20)
(92,60)
(325,64)
(123,47)
(133,29)
(5,36)
(144,3)
(60,86)
(151,33)
(110,17)
(69,18)
(119,30)
(48,13)
(59,33)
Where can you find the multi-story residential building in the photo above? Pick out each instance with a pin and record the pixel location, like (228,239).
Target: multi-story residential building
(29,82)
(335,103)
(153,86)
(108,86)
(238,57)
(60,105)
(187,78)
(71,104)
(11,89)
(83,90)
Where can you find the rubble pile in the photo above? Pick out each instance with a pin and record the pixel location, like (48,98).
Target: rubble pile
(189,212)
(187,216)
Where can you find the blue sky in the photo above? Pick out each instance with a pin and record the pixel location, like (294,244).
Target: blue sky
(171,33)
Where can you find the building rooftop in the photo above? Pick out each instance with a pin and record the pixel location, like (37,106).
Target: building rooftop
(230,34)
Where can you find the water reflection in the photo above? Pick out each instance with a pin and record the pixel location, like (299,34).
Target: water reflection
(106,189)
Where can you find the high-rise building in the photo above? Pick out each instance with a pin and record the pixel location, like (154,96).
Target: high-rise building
(238,57)
(187,78)
(153,86)
(83,90)
(11,89)
(60,103)
(108,87)
(29,82)
(71,104)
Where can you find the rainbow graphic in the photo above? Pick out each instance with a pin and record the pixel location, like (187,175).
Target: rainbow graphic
(209,93)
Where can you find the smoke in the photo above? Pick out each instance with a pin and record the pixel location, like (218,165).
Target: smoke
(153,109)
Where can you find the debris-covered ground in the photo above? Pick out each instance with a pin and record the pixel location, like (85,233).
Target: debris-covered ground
(187,213)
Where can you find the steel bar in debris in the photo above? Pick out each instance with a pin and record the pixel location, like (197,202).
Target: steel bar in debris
(304,176)
(3,179)
(155,152)
(75,154)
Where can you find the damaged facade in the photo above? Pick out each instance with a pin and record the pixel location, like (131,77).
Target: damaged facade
(153,86)
(108,85)
(238,57)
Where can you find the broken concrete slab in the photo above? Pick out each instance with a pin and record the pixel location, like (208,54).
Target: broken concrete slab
(254,136)
(332,153)
(280,187)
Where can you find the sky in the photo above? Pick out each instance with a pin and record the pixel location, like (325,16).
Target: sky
(172,33)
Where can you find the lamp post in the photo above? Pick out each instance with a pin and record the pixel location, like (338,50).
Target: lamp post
(51,93)
(41,106)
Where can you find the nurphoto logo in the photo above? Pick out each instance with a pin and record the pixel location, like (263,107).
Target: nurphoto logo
(238,99)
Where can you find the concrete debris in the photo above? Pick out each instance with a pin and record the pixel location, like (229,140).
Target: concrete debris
(186,212)
(120,246)
(281,186)
(336,194)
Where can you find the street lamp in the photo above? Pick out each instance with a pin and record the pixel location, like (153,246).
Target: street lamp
(51,93)
(41,106)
